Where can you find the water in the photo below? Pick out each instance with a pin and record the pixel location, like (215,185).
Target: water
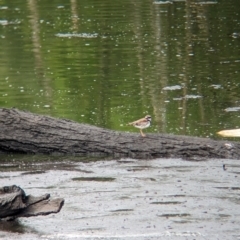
(107,62)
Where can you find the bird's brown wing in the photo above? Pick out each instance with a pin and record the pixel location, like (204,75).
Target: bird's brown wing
(138,121)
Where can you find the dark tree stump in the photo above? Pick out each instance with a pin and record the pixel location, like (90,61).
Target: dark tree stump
(14,203)
(25,132)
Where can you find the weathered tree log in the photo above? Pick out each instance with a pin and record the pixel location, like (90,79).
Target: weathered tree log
(25,132)
(14,203)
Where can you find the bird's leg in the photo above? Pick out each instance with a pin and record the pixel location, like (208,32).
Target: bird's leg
(143,135)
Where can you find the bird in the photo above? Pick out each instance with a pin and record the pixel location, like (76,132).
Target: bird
(142,123)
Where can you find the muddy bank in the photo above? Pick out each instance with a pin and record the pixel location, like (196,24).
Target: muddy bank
(129,199)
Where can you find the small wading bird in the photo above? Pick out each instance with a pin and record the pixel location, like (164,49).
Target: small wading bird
(142,123)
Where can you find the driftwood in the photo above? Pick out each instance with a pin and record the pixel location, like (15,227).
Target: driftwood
(230,133)
(25,132)
(14,203)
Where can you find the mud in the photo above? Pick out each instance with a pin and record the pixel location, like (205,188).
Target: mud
(128,199)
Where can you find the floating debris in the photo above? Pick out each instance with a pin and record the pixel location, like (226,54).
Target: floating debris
(224,62)
(177,99)
(6,22)
(3,8)
(162,2)
(232,109)
(187,97)
(216,86)
(3,22)
(207,2)
(235,35)
(192,96)
(78,35)
(172,88)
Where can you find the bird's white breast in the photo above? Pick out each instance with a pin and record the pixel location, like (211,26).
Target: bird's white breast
(142,126)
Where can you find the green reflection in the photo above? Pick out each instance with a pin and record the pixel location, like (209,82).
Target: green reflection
(118,57)
(38,164)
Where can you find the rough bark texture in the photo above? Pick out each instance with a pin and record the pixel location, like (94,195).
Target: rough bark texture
(14,204)
(25,132)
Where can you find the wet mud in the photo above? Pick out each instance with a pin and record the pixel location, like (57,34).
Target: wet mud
(129,199)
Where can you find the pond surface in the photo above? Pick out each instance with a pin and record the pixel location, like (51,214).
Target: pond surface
(128,199)
(110,62)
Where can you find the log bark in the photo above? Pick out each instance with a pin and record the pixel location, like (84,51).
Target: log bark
(25,132)
(14,203)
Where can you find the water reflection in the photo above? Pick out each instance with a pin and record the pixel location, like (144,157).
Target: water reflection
(106,63)
(41,163)
(15,227)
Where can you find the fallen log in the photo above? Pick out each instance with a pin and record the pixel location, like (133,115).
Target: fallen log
(14,203)
(25,132)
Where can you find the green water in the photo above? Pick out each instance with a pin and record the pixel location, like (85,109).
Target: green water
(110,62)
